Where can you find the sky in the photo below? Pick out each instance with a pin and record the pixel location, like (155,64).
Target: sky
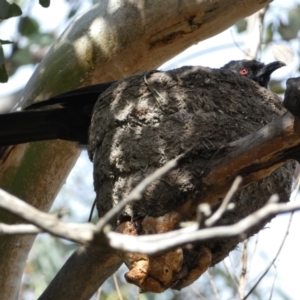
(214,52)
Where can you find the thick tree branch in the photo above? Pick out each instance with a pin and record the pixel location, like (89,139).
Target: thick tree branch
(253,157)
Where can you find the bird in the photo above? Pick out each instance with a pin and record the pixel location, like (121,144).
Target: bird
(254,70)
(291,99)
(68,116)
(133,134)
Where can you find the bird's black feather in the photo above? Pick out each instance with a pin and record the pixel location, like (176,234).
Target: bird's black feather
(68,116)
(254,70)
(292,96)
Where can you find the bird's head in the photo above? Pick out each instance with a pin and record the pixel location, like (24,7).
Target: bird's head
(254,70)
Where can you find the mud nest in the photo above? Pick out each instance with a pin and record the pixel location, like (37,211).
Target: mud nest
(142,122)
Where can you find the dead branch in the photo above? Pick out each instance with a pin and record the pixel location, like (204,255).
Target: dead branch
(153,244)
(253,157)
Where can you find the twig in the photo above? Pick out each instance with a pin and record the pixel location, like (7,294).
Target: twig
(213,286)
(273,284)
(92,211)
(151,244)
(254,33)
(243,276)
(98,297)
(19,229)
(117,286)
(81,233)
(153,90)
(224,205)
(136,193)
(283,241)
(274,259)
(236,43)
(203,212)
(253,253)
(197,292)
(230,275)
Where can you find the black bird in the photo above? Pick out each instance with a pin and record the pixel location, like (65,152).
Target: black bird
(292,96)
(254,70)
(71,120)
(67,117)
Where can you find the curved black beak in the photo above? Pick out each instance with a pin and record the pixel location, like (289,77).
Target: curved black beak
(270,68)
(264,74)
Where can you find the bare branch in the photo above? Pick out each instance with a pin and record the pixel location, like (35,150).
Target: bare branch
(212,284)
(18,229)
(273,260)
(117,286)
(253,253)
(273,284)
(197,293)
(243,276)
(151,244)
(255,156)
(254,33)
(230,275)
(154,244)
(224,206)
(136,193)
(81,233)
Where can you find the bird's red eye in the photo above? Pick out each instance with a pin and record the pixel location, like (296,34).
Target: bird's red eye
(244,71)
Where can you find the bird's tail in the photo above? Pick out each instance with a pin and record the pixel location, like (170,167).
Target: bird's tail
(67,116)
(30,126)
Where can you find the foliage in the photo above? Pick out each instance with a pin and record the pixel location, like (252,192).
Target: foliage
(281,28)
(29,42)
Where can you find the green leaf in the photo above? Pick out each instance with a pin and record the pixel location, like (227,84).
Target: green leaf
(42,39)
(72,12)
(3,74)
(286,32)
(294,21)
(290,30)
(269,33)
(4,9)
(28,26)
(276,87)
(22,57)
(9,10)
(14,11)
(74,9)
(5,42)
(44,3)
(241,25)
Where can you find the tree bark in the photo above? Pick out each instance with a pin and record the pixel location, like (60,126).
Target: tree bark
(112,40)
(92,268)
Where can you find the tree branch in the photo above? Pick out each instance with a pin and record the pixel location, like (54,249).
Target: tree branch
(147,244)
(253,157)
